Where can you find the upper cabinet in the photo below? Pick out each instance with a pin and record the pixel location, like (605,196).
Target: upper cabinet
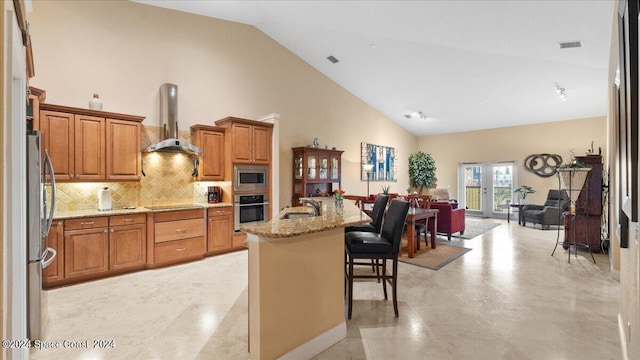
(211,140)
(89,145)
(248,141)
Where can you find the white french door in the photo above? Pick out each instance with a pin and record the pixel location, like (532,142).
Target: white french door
(485,189)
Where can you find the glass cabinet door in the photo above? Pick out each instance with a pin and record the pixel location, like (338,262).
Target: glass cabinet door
(298,171)
(335,168)
(324,168)
(311,167)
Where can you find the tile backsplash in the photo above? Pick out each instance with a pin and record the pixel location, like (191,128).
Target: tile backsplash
(168,180)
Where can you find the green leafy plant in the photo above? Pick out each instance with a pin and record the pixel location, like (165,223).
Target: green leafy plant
(385,189)
(524,190)
(422,171)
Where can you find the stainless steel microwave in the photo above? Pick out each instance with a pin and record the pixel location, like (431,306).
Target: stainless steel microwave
(250,178)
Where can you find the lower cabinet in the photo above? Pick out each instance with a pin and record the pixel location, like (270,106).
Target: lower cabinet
(128,242)
(178,236)
(89,248)
(219,230)
(86,247)
(55,240)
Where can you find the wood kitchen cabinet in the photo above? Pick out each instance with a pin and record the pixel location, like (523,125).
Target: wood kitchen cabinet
(94,247)
(123,150)
(211,140)
(178,236)
(315,172)
(86,247)
(127,242)
(247,141)
(55,240)
(90,145)
(219,230)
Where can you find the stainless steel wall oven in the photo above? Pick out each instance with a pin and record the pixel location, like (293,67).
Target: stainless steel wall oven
(250,208)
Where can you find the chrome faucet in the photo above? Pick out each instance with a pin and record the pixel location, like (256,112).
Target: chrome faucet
(317,205)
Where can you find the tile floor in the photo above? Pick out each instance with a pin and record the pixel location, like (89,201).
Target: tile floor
(505,299)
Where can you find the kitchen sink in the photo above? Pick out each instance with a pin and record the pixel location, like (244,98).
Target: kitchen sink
(295,215)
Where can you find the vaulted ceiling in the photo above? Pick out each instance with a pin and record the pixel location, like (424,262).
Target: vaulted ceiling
(465,65)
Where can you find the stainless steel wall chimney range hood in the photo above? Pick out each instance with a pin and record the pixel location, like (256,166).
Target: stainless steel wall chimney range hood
(169,124)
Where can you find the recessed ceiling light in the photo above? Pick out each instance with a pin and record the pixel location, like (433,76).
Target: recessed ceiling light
(333,59)
(570,44)
(373,46)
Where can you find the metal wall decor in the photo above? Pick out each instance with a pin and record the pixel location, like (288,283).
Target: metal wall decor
(543,165)
(384,161)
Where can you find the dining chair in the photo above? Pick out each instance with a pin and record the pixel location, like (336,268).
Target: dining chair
(379,247)
(422,202)
(377,215)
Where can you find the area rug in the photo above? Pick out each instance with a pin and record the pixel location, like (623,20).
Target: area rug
(475,227)
(429,258)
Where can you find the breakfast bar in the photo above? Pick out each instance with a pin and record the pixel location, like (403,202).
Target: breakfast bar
(296,280)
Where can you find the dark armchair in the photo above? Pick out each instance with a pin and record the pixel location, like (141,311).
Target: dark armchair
(550,213)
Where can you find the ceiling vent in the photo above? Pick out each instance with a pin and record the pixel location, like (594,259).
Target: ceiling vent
(407,116)
(570,44)
(333,59)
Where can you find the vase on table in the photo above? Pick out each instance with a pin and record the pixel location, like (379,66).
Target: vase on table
(339,203)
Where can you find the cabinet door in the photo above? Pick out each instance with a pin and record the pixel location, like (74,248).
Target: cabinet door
(89,148)
(55,240)
(323,167)
(123,150)
(86,252)
(261,145)
(218,233)
(335,168)
(58,140)
(242,143)
(312,167)
(127,247)
(212,161)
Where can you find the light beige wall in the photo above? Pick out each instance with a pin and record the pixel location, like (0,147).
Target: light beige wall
(514,144)
(124,51)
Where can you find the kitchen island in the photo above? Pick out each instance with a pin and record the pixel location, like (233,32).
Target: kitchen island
(296,280)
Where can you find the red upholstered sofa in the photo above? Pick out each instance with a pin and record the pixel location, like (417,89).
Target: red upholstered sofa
(450,220)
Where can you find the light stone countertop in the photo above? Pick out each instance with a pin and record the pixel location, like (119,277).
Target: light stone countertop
(61,215)
(330,218)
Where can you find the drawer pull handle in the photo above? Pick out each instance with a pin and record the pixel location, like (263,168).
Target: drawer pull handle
(181,249)
(181,230)
(87,223)
(127,220)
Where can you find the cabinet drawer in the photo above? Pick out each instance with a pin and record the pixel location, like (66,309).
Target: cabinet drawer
(177,230)
(86,223)
(179,249)
(178,215)
(219,211)
(128,219)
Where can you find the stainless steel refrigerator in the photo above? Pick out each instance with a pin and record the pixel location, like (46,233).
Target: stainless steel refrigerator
(39,218)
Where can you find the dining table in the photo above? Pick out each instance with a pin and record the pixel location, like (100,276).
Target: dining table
(431,218)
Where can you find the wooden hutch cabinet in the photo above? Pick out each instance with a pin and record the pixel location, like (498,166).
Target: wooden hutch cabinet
(316,172)
(586,225)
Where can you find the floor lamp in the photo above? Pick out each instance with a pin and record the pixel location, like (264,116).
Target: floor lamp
(367,168)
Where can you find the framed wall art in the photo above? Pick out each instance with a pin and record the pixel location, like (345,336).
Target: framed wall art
(384,161)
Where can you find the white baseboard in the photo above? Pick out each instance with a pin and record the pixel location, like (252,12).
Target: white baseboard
(623,337)
(318,344)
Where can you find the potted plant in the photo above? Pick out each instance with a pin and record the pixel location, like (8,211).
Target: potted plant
(523,191)
(422,171)
(385,189)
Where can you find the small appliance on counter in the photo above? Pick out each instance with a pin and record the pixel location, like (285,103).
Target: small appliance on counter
(104,199)
(214,194)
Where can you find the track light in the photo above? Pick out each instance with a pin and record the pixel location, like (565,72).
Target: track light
(560,90)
